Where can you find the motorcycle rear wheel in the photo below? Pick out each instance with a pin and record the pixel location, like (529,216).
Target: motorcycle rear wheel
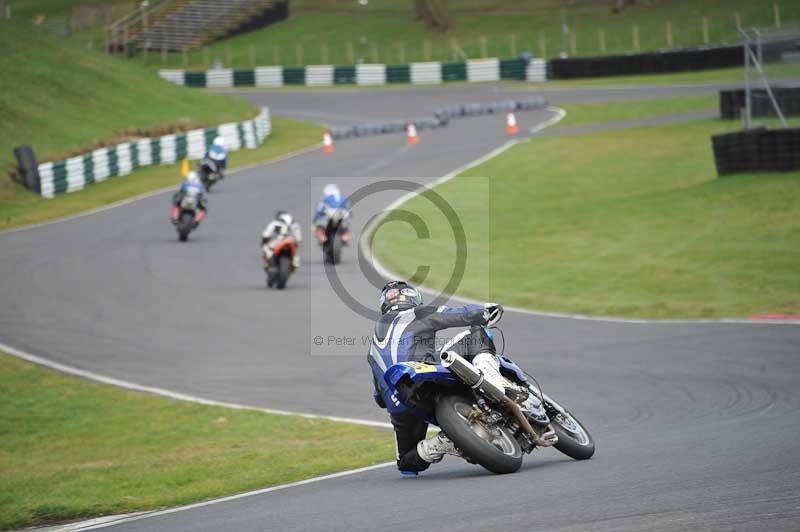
(336,249)
(494,448)
(284,264)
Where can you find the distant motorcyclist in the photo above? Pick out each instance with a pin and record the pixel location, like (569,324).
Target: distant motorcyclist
(407,331)
(190,185)
(331,202)
(217,153)
(283,226)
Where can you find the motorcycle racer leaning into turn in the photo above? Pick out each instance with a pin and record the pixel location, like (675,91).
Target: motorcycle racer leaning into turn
(283,226)
(406,331)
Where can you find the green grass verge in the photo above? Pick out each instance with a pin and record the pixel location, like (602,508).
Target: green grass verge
(322,32)
(74,449)
(61,98)
(591,113)
(631,222)
(19,207)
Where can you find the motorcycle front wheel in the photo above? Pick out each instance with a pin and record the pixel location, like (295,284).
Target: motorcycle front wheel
(493,447)
(185,226)
(573,438)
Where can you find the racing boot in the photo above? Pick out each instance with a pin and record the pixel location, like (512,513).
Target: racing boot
(547,436)
(434,448)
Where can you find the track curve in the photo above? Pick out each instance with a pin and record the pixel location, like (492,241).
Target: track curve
(695,423)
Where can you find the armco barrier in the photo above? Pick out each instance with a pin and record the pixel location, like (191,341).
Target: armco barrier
(76,172)
(423,73)
(513,68)
(319,75)
(455,71)
(757,150)
(483,70)
(398,73)
(269,76)
(371,74)
(365,74)
(344,75)
(219,77)
(731,102)
(536,70)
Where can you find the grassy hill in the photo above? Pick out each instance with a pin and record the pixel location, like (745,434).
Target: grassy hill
(325,31)
(61,98)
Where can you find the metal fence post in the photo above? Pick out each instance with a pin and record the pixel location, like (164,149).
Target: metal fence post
(746,84)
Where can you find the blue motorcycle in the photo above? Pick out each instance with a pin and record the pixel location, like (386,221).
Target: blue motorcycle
(490,425)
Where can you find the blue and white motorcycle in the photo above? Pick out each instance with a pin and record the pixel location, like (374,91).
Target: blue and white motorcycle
(490,425)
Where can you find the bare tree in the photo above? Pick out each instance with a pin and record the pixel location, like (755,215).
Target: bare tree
(435,12)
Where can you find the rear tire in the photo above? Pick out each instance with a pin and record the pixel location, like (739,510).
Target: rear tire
(336,249)
(501,456)
(284,264)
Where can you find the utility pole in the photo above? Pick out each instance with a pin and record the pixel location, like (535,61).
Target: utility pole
(363,47)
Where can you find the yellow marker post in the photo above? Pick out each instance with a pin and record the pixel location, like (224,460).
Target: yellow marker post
(185,167)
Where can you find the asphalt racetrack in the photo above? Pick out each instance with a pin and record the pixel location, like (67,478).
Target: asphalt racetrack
(696,424)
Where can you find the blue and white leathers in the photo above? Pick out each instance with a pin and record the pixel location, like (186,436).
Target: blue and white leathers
(410,335)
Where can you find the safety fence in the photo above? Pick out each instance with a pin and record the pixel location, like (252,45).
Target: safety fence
(76,172)
(757,150)
(363,74)
(731,102)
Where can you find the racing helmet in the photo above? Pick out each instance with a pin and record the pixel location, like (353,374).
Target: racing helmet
(192,178)
(284,217)
(399,295)
(331,190)
(219,141)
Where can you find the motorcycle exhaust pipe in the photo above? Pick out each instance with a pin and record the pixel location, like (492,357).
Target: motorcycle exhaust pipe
(473,377)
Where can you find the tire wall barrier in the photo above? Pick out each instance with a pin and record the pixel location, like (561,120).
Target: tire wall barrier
(663,61)
(441,117)
(731,102)
(76,172)
(432,72)
(757,150)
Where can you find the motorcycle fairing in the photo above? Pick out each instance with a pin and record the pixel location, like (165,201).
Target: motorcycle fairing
(510,369)
(418,372)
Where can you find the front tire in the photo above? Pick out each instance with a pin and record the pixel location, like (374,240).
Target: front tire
(573,438)
(185,226)
(494,448)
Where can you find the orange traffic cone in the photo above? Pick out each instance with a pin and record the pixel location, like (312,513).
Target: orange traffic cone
(511,124)
(327,142)
(413,138)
